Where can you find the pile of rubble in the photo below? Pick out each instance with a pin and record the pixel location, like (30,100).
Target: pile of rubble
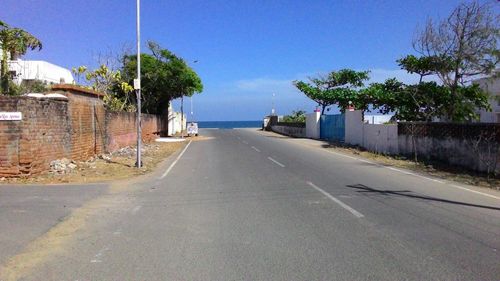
(66,166)
(131,152)
(62,166)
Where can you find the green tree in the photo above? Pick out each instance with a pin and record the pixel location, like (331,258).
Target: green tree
(338,87)
(425,101)
(117,92)
(14,42)
(297,116)
(164,77)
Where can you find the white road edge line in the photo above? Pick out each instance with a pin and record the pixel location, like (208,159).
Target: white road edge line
(245,142)
(342,204)
(276,162)
(417,175)
(136,209)
(478,192)
(255,148)
(175,162)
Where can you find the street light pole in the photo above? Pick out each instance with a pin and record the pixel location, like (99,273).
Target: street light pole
(273,110)
(137,86)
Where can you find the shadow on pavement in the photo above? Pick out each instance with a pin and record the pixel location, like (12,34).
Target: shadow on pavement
(406,193)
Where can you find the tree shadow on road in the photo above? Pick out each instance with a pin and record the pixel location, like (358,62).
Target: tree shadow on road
(406,193)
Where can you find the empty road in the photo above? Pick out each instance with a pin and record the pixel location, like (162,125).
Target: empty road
(248,205)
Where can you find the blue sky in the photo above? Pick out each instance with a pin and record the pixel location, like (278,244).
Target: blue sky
(246,50)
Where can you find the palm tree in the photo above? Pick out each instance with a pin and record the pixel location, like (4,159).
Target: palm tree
(16,42)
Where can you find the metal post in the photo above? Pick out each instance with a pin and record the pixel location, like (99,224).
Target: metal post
(182,116)
(138,163)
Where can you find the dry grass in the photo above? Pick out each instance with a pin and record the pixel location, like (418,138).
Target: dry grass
(117,166)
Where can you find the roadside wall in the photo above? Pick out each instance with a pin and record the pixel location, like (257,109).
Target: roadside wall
(313,125)
(44,134)
(473,146)
(87,128)
(121,129)
(76,127)
(297,130)
(379,138)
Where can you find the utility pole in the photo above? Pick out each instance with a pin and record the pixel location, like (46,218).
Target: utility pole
(273,111)
(137,86)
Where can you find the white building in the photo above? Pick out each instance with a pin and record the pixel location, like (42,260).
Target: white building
(492,86)
(176,121)
(27,70)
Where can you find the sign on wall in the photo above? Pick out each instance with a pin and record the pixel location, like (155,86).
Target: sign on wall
(11,116)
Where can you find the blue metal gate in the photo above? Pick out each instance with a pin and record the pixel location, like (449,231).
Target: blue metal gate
(332,127)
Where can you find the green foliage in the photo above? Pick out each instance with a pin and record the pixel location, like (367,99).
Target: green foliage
(427,100)
(117,92)
(425,65)
(164,77)
(297,116)
(13,42)
(338,87)
(79,72)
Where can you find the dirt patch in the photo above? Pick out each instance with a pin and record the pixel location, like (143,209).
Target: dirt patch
(435,169)
(200,138)
(117,165)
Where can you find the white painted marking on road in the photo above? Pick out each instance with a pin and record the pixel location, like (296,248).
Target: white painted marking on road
(474,191)
(136,209)
(245,142)
(97,257)
(400,171)
(342,204)
(366,161)
(276,162)
(413,174)
(175,162)
(343,155)
(255,148)
(420,176)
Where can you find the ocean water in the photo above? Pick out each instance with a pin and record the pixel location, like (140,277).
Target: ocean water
(229,124)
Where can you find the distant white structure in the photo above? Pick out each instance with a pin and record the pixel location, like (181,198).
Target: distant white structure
(176,121)
(377,119)
(492,86)
(28,70)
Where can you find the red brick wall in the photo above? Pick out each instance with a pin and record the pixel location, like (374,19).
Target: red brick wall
(53,129)
(88,127)
(122,130)
(28,146)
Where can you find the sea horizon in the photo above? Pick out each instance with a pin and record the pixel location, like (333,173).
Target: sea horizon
(230,124)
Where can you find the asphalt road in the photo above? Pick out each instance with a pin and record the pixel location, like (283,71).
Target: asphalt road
(29,211)
(244,205)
